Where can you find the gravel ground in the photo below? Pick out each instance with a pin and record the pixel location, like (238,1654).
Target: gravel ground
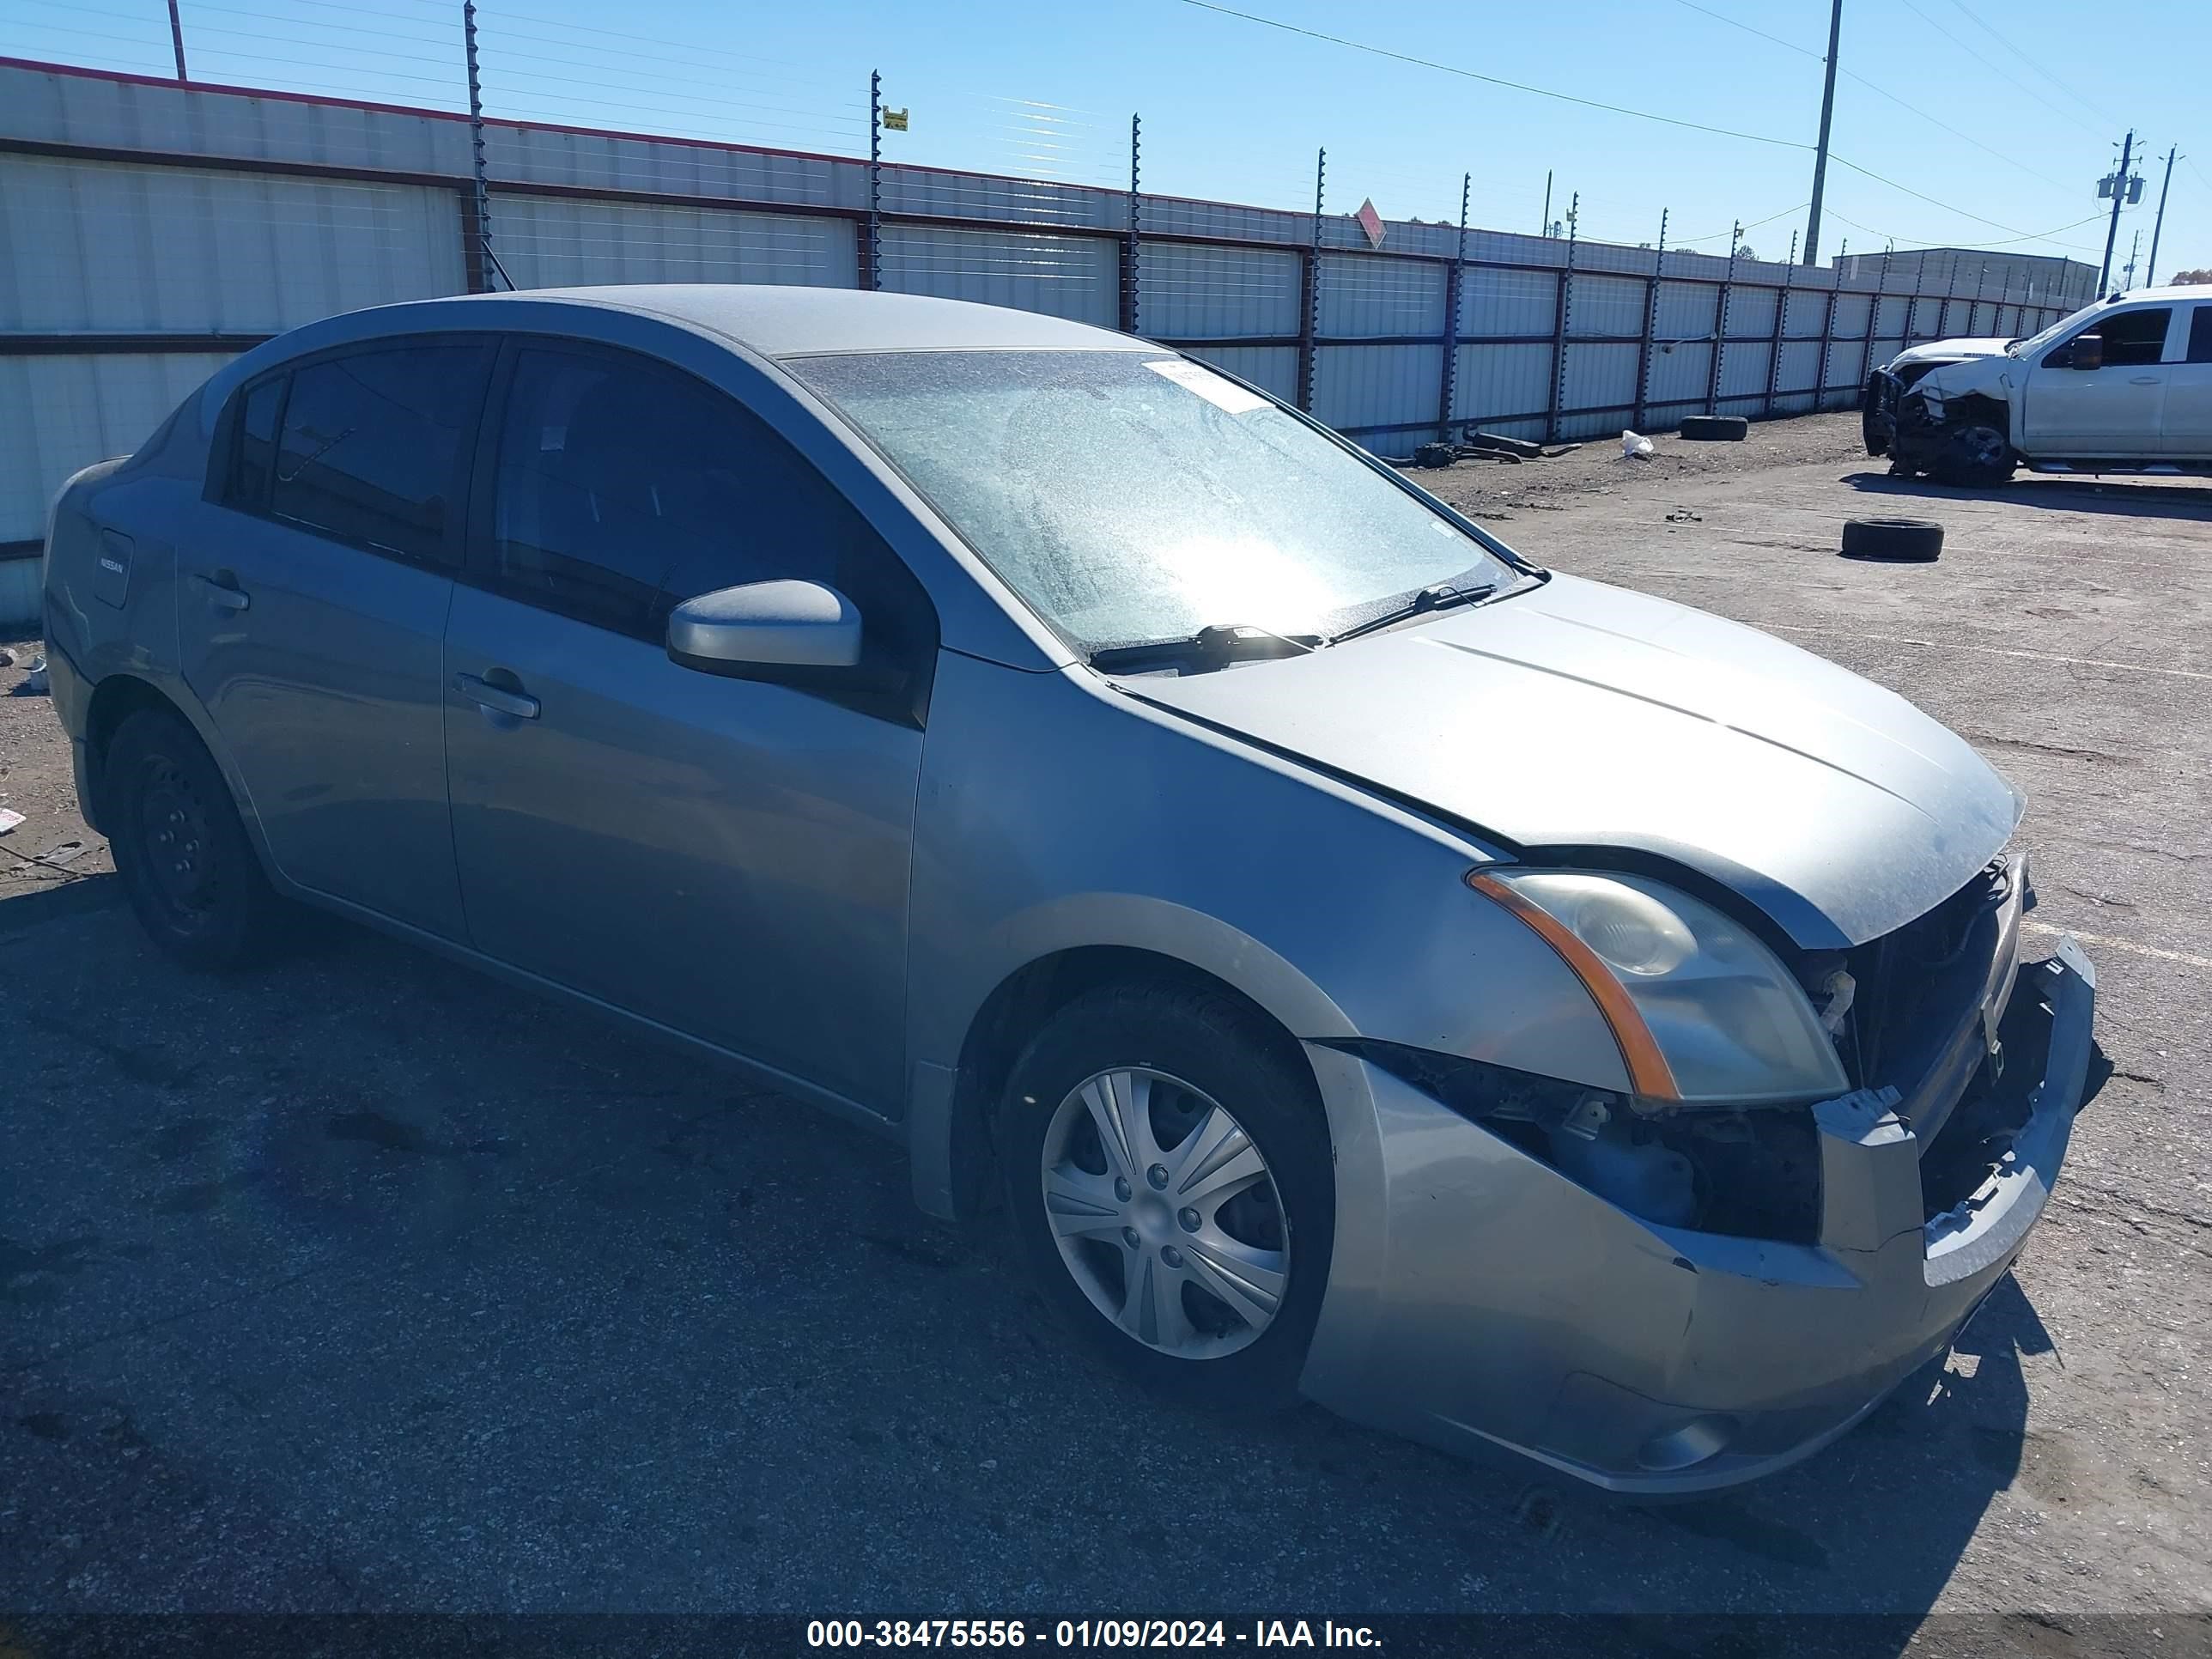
(369,1283)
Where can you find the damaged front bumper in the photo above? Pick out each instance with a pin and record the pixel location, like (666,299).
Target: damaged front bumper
(1504,1306)
(1878,411)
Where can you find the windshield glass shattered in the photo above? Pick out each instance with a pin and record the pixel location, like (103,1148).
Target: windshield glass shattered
(1134,496)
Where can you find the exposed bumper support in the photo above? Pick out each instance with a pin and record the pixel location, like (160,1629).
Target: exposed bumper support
(1515,1309)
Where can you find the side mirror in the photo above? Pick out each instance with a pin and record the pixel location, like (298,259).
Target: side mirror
(2088,352)
(739,631)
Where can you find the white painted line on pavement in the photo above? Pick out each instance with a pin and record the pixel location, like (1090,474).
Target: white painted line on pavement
(1986,650)
(2132,949)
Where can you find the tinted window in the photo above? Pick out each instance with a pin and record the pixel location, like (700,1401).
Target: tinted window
(256,445)
(2134,337)
(624,487)
(2200,334)
(372,445)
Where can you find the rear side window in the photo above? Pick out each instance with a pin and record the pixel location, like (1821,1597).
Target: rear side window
(371,446)
(2200,334)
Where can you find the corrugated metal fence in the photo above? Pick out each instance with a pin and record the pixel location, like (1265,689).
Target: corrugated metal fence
(150,229)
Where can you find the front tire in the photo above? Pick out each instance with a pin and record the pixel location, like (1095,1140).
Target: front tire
(1172,1191)
(1974,456)
(192,875)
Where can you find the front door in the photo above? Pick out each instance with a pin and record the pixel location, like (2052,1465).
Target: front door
(729,857)
(2113,410)
(312,615)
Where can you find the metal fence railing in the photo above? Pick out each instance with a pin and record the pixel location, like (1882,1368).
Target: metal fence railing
(158,226)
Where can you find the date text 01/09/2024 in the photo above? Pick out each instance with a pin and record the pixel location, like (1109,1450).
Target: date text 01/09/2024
(1083,1633)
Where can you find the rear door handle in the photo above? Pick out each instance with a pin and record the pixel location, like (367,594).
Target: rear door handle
(500,701)
(2143,379)
(223,592)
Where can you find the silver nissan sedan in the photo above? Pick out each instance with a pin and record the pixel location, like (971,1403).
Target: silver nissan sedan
(1509,1010)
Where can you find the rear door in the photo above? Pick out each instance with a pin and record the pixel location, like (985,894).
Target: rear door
(2114,411)
(311,626)
(729,857)
(2188,424)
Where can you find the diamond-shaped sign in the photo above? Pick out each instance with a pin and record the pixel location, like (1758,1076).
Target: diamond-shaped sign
(1371,223)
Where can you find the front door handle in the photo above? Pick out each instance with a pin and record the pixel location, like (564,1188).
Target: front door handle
(223,592)
(2143,379)
(500,700)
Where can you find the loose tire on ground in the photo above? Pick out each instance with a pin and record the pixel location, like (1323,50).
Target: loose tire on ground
(1223,1068)
(1714,429)
(191,873)
(1895,541)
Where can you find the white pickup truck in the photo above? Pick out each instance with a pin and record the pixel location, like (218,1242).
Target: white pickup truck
(2121,386)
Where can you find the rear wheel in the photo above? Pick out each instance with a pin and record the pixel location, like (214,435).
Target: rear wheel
(1168,1173)
(192,877)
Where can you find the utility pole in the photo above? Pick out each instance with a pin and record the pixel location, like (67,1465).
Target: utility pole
(1545,229)
(1821,155)
(2128,284)
(177,38)
(2158,224)
(2119,195)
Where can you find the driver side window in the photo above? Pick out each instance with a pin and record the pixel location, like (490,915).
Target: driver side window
(2133,338)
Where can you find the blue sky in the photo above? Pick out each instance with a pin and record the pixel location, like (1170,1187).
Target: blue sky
(2018,110)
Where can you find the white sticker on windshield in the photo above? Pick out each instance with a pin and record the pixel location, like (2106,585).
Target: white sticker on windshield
(1224,395)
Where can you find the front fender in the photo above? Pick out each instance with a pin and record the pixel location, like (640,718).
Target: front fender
(1056,812)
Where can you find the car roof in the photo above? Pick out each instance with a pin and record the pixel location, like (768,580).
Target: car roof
(783,321)
(2186,291)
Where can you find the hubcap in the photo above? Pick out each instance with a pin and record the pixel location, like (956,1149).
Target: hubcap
(1165,1213)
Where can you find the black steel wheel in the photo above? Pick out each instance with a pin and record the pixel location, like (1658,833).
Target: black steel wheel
(192,875)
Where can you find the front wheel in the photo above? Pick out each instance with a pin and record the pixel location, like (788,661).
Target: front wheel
(1169,1172)
(1976,456)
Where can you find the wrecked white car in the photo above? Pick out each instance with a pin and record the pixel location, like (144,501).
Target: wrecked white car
(2121,386)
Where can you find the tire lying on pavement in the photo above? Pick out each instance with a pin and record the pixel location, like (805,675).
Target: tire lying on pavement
(1903,541)
(1714,429)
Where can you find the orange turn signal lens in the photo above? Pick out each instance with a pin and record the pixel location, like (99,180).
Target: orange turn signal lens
(1649,1074)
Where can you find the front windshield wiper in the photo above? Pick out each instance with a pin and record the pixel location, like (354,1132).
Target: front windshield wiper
(1436,596)
(1215,645)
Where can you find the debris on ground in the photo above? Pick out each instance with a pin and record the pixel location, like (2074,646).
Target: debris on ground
(7,658)
(1683,515)
(34,684)
(9,818)
(1634,447)
(1489,446)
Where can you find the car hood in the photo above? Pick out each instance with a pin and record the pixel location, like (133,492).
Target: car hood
(1948,351)
(1575,715)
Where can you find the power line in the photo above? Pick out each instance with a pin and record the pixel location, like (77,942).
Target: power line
(1497,81)
(1874,87)
(1737,23)
(2066,115)
(1998,36)
(1688,241)
(1980,247)
(1933,202)
(1592,103)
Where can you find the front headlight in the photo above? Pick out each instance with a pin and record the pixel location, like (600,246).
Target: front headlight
(1703,1011)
